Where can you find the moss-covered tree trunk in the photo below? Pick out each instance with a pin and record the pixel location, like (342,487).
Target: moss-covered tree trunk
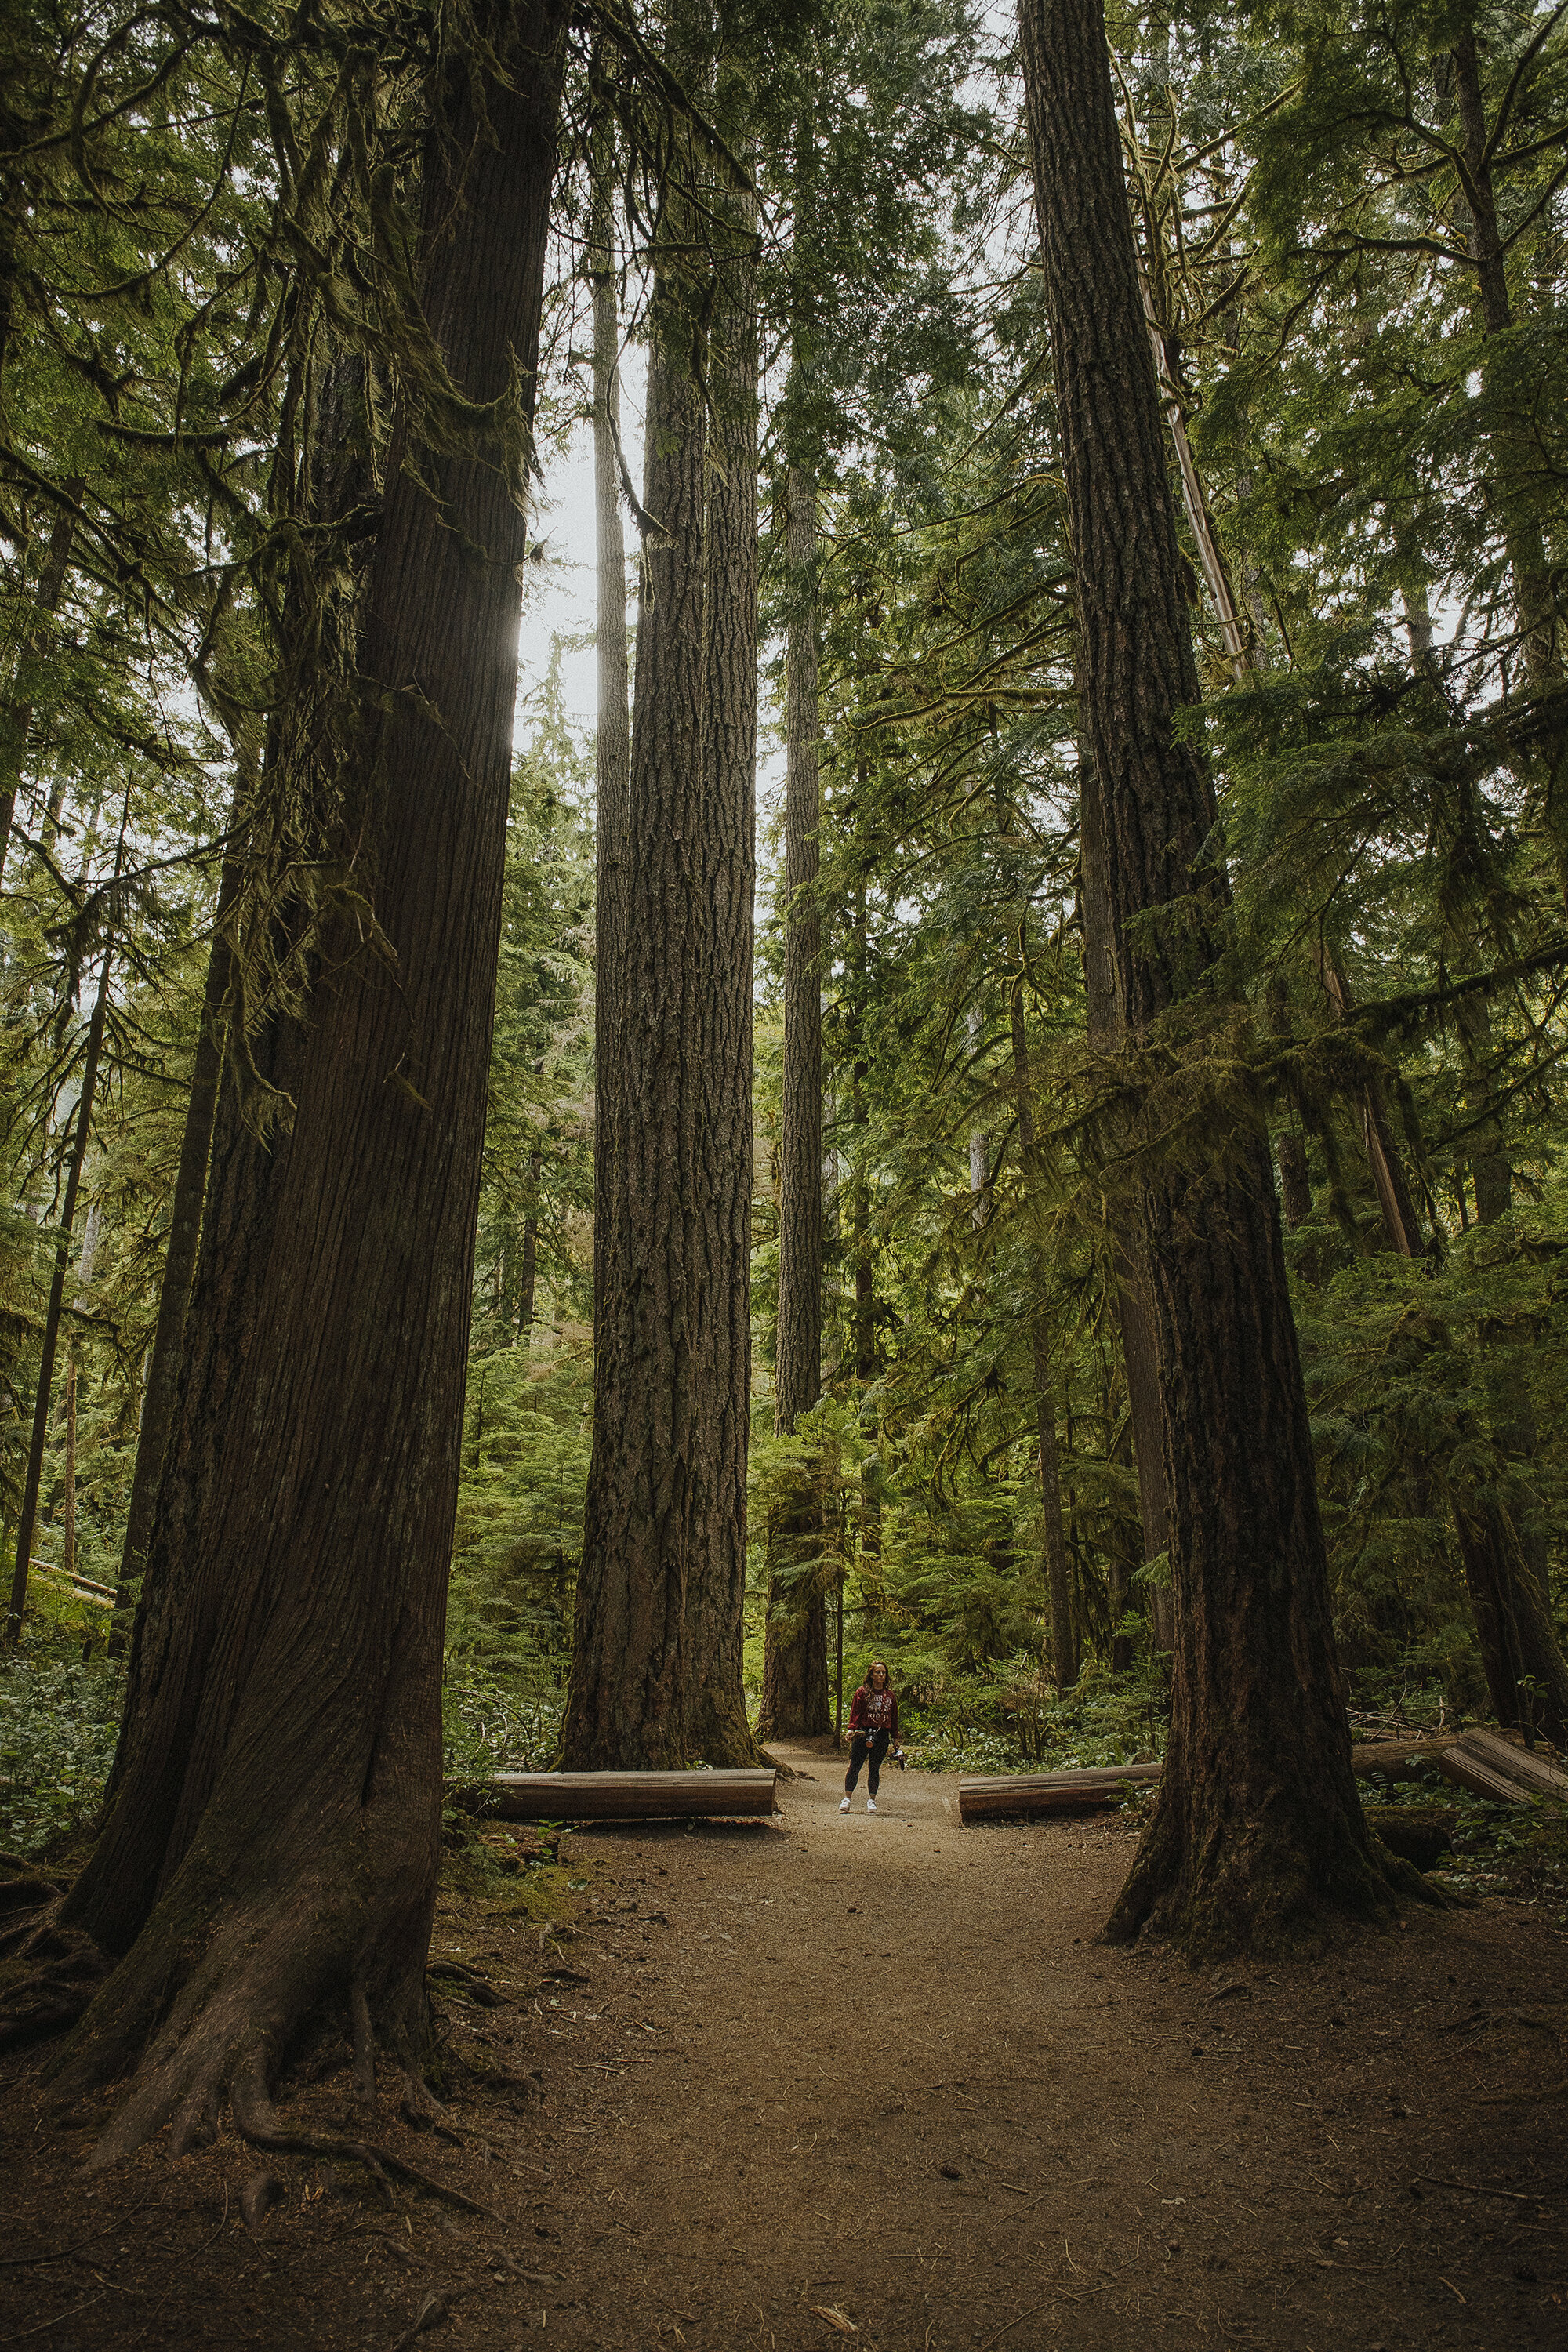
(271,1850)
(1256,1829)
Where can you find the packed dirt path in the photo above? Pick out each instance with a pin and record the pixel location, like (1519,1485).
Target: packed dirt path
(870,2080)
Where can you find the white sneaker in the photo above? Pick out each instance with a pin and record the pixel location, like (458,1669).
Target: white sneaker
(871,1804)
(844,1808)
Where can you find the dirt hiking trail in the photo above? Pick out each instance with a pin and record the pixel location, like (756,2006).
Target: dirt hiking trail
(834,2081)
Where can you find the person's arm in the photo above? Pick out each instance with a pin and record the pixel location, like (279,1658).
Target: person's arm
(857,1710)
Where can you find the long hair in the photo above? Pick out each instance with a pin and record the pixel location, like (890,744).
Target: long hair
(868,1684)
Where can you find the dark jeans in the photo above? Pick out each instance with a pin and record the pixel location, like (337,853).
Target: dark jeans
(869,1752)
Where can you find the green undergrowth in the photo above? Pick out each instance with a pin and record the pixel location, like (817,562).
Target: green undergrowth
(59,1718)
(1018,1723)
(1519,1850)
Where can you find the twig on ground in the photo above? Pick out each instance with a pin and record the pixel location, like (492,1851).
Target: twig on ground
(1471,2189)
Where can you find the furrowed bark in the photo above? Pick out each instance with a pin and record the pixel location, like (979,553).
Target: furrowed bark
(1258,1831)
(717,1729)
(1107,1032)
(626,1705)
(612,743)
(179,1270)
(271,1856)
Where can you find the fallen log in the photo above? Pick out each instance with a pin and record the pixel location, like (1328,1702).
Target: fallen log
(1399,1760)
(625,1796)
(1492,1767)
(991,1796)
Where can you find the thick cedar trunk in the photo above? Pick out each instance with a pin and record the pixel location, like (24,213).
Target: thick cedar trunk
(179,1269)
(795,1669)
(29,1517)
(1064,1646)
(1106,1034)
(716,1726)
(1258,1829)
(279,1789)
(626,1705)
(612,747)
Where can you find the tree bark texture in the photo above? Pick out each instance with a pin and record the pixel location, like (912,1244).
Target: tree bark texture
(1058,1590)
(271,1853)
(179,1268)
(795,1669)
(716,1726)
(1130,1273)
(612,745)
(656,1650)
(1258,1829)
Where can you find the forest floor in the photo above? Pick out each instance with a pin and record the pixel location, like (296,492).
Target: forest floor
(824,2081)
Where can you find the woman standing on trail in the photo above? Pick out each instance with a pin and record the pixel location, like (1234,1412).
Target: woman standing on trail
(873,1722)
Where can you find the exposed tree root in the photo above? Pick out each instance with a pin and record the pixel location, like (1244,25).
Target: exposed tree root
(257,2121)
(51,1974)
(1258,1888)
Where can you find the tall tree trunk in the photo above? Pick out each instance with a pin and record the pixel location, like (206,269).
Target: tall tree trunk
(626,1705)
(795,1669)
(179,1269)
(612,742)
(1526,1676)
(1256,1829)
(1526,556)
(68,1501)
(717,1729)
(1107,1032)
(1058,1590)
(17,711)
(28,1523)
(528,1274)
(1395,1199)
(860,1121)
(271,1854)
